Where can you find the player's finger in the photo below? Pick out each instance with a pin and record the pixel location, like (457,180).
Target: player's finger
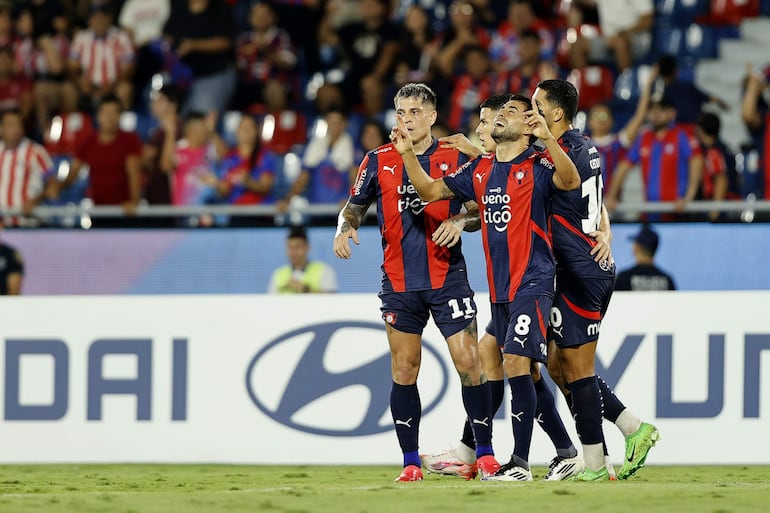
(354,236)
(534,106)
(454,240)
(439,235)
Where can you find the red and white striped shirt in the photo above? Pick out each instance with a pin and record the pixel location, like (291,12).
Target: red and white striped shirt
(22,172)
(101,58)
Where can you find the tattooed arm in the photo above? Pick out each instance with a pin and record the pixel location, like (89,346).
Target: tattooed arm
(348,223)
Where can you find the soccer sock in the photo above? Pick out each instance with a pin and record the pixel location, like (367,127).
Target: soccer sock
(405,408)
(497,392)
(523,404)
(588,419)
(549,419)
(628,423)
(612,405)
(476,401)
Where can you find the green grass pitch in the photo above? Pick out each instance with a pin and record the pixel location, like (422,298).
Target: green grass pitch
(366,489)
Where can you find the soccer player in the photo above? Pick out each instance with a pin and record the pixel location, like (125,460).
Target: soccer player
(456,461)
(513,188)
(420,278)
(584,286)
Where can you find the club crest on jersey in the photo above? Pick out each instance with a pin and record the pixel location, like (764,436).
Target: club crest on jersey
(390,317)
(443,167)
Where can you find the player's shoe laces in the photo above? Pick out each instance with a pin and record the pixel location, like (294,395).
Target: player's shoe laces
(459,461)
(510,472)
(638,445)
(410,473)
(563,468)
(592,475)
(488,466)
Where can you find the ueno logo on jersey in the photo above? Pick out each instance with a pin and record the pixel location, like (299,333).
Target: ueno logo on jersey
(410,200)
(497,218)
(321,379)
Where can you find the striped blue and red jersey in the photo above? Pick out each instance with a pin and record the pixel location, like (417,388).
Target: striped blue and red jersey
(514,204)
(664,162)
(412,261)
(576,213)
(612,151)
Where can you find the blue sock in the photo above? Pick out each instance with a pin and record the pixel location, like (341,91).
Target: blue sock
(587,408)
(497,392)
(476,401)
(406,409)
(612,405)
(550,420)
(523,404)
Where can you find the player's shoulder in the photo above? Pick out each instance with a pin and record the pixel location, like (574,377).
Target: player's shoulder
(385,149)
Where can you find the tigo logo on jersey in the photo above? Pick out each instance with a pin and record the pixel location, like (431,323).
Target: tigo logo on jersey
(344,367)
(410,200)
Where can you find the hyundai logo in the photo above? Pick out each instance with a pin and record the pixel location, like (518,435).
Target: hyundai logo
(334,379)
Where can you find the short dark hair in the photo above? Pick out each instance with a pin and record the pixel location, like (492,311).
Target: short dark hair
(496,101)
(195,115)
(529,34)
(520,98)
(110,98)
(13,111)
(563,94)
(297,232)
(709,123)
(416,90)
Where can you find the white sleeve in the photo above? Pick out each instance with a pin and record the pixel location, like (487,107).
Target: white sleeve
(328,279)
(272,287)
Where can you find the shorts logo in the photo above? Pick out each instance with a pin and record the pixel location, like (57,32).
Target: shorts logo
(605,265)
(521,341)
(321,368)
(390,318)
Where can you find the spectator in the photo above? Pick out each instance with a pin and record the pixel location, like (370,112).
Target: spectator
(645,275)
(42,52)
(465,30)
(531,68)
(102,58)
(370,46)
(190,161)
(688,99)
(471,87)
(418,49)
(283,126)
(165,104)
(202,33)
(11,271)
(113,157)
(301,275)
(143,20)
(670,158)
(613,146)
(720,181)
(23,167)
(263,53)
(756,117)
(625,31)
(247,172)
(15,90)
(6,24)
(371,136)
(326,164)
(506,40)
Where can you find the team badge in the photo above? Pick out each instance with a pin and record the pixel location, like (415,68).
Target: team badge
(605,265)
(389,317)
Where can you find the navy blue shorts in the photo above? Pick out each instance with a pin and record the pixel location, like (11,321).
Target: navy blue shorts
(523,324)
(452,307)
(578,309)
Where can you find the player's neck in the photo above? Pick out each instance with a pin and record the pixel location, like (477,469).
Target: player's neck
(422,145)
(508,150)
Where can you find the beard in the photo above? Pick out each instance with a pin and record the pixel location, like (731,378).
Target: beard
(504,134)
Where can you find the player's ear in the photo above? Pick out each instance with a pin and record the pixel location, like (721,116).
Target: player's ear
(557,114)
(433,117)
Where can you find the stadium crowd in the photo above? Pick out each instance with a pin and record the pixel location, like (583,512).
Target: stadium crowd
(244,102)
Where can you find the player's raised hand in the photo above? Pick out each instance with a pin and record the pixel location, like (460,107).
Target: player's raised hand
(341,244)
(537,122)
(460,143)
(601,251)
(400,137)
